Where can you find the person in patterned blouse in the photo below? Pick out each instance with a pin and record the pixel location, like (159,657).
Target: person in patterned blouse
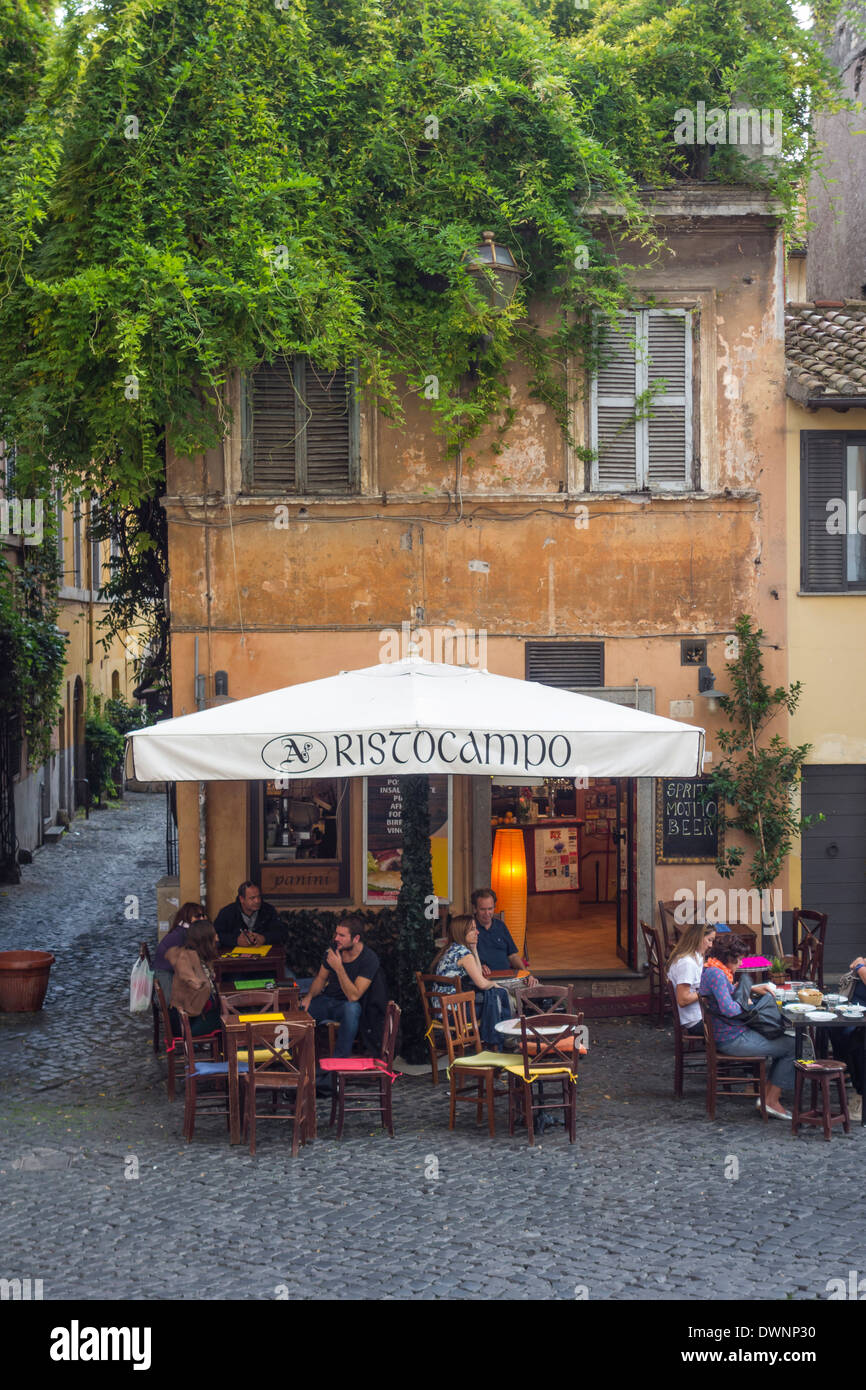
(459,960)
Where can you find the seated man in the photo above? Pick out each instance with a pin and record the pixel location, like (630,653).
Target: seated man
(249,921)
(350,989)
(496,949)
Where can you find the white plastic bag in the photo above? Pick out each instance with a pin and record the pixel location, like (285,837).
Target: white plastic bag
(140,987)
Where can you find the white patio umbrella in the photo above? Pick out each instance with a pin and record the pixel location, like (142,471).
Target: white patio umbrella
(414,716)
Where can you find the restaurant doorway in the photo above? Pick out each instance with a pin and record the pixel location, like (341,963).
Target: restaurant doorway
(580,845)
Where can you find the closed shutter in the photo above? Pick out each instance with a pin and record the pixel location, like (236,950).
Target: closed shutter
(566,665)
(669,424)
(274,410)
(642,404)
(822,477)
(328,400)
(615,468)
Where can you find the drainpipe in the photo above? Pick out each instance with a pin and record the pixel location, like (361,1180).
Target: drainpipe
(202,797)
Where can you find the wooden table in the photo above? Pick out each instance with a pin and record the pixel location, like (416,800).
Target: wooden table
(271,964)
(800,1022)
(236,1036)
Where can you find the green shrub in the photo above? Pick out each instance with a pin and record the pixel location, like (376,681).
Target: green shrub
(105,749)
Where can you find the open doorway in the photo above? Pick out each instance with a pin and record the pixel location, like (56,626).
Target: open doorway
(580,858)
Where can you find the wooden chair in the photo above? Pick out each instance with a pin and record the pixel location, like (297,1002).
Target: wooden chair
(463,1045)
(208,1047)
(199,1071)
(809,930)
(428,985)
(243,1001)
(685,1045)
(356,1083)
(560,999)
(819,1075)
(282,1060)
(670,930)
(545,1058)
(731,1072)
(656,957)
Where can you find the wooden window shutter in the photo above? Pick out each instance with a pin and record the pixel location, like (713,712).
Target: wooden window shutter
(823,474)
(272,427)
(668,440)
(328,434)
(566,665)
(614,390)
(300,430)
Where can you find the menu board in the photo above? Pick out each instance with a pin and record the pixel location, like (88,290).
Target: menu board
(383,847)
(688,829)
(556,858)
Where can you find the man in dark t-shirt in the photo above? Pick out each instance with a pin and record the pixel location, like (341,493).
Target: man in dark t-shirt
(347,989)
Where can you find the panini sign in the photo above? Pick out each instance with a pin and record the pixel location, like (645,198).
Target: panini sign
(391,750)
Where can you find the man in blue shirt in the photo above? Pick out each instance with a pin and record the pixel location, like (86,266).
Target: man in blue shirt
(496,949)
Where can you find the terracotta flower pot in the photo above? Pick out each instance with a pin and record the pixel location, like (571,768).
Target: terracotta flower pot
(23,980)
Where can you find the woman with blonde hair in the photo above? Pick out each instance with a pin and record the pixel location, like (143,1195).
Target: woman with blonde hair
(459,960)
(684,968)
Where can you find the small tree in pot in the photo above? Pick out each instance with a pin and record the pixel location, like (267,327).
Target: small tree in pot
(757,780)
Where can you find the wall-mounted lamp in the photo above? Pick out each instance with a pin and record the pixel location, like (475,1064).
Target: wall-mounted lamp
(494,271)
(707,688)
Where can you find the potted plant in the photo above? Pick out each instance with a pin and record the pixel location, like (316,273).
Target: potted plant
(778,966)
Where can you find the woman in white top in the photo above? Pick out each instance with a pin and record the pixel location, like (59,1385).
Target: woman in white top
(684,972)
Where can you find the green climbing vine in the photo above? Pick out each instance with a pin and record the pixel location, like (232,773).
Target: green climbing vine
(192,186)
(756,776)
(32,648)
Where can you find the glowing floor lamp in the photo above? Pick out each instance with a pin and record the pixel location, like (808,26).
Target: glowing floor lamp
(508,878)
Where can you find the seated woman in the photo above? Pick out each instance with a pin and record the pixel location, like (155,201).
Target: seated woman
(459,959)
(175,936)
(684,968)
(734,1038)
(194,987)
(847,1042)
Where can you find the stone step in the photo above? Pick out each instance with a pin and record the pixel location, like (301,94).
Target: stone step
(52,833)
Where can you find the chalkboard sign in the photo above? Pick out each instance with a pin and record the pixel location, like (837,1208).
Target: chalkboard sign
(688,830)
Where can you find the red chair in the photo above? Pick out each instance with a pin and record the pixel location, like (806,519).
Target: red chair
(355,1078)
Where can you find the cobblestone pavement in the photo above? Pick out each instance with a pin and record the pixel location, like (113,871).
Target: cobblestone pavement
(643,1206)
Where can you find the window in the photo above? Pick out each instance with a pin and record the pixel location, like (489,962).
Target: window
(642,404)
(60,544)
(95,548)
(76,543)
(832,511)
(300,429)
(300,832)
(566,665)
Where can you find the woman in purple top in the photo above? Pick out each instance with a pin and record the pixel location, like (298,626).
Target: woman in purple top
(734,1038)
(175,936)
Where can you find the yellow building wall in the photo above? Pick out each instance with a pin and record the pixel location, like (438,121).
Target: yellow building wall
(826,634)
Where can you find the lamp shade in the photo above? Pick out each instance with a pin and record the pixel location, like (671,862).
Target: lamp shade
(508,879)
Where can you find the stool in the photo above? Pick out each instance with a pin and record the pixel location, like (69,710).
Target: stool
(820,1074)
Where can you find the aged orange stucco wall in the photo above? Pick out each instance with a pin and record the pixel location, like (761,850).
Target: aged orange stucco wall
(282,590)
